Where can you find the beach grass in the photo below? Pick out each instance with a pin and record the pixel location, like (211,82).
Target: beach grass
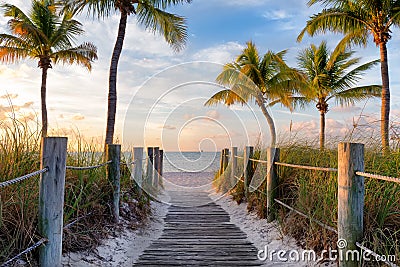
(315,194)
(87,193)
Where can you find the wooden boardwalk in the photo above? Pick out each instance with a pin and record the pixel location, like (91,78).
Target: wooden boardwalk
(198,232)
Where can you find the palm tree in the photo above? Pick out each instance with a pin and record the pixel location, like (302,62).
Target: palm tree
(359,20)
(263,79)
(149,13)
(330,75)
(44,36)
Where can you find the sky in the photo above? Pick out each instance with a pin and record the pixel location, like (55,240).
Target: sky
(161,93)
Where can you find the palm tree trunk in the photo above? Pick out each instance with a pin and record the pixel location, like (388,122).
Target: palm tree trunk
(43,100)
(322,131)
(385,108)
(112,91)
(270,121)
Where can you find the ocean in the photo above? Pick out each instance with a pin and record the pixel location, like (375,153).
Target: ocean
(191,161)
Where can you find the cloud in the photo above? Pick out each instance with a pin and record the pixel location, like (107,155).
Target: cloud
(312,127)
(188,116)
(167,127)
(78,117)
(221,53)
(214,114)
(6,110)
(242,3)
(278,14)
(347,109)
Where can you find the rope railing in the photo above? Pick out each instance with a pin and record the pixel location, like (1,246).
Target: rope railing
(26,251)
(77,220)
(306,167)
(88,167)
(373,253)
(22,178)
(379,177)
(327,227)
(239,157)
(129,163)
(259,161)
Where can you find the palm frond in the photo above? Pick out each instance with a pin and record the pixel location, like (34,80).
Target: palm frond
(227,97)
(12,54)
(334,20)
(353,76)
(14,41)
(83,55)
(163,4)
(291,102)
(172,27)
(352,95)
(96,8)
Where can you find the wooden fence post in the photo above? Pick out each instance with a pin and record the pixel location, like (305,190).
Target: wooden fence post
(226,159)
(247,165)
(114,176)
(272,181)
(51,199)
(221,162)
(161,166)
(234,152)
(138,167)
(149,163)
(350,199)
(156,153)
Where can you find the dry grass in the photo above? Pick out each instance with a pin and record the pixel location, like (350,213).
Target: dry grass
(315,194)
(87,194)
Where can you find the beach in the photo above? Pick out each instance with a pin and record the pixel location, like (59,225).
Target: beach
(125,246)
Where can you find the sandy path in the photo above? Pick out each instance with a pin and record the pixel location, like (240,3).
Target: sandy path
(126,248)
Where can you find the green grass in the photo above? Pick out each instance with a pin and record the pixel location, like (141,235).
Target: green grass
(87,193)
(315,194)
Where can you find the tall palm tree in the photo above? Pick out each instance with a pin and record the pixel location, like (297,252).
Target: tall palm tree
(149,13)
(44,36)
(359,20)
(263,79)
(330,75)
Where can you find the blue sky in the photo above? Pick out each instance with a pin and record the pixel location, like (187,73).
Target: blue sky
(218,30)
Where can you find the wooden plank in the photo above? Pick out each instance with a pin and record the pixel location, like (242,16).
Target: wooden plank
(199,236)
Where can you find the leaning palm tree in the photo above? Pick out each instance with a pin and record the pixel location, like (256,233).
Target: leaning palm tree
(44,36)
(359,20)
(263,79)
(330,75)
(149,13)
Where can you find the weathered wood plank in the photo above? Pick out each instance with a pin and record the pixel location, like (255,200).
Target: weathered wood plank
(199,236)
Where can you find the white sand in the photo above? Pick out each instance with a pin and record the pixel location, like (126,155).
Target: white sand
(126,248)
(259,231)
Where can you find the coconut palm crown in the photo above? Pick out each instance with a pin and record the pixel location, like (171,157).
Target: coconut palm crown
(332,76)
(152,15)
(264,79)
(359,20)
(44,36)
